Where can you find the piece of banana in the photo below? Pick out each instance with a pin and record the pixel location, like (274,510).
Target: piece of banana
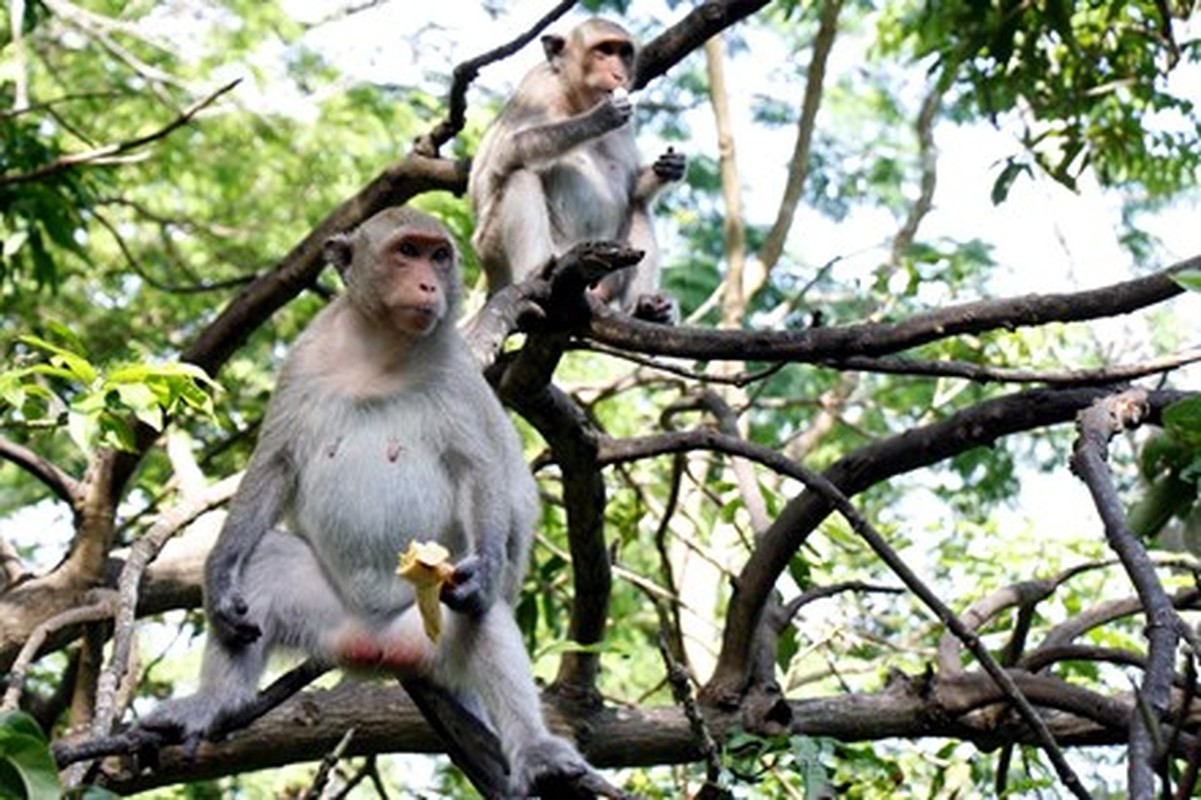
(427,566)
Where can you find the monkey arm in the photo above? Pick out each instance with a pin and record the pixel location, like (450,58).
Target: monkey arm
(257,506)
(539,144)
(477,577)
(493,509)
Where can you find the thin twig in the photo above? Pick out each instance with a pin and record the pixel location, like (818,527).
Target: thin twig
(466,72)
(984,373)
(102,608)
(66,162)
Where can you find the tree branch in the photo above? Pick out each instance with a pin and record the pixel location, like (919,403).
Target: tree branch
(64,486)
(875,339)
(1097,424)
(101,154)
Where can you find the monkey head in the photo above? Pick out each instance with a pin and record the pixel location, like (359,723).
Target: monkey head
(401,270)
(593,60)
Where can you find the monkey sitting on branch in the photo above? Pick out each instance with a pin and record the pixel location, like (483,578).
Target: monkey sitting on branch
(381,431)
(560,166)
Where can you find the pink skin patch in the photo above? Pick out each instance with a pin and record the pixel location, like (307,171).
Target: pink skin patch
(388,651)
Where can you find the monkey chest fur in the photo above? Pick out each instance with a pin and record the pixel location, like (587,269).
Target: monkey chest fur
(589,192)
(373,479)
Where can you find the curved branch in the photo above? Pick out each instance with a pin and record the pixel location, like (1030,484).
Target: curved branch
(64,486)
(466,72)
(979,425)
(834,498)
(671,47)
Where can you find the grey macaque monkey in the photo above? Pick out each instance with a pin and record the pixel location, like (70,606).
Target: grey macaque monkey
(560,166)
(381,431)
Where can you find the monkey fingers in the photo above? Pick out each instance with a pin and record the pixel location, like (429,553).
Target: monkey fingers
(656,308)
(228,617)
(670,166)
(469,590)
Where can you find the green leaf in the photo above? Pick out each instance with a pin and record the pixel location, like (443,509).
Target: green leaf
(28,769)
(82,429)
(1189,278)
(1004,181)
(79,367)
(143,401)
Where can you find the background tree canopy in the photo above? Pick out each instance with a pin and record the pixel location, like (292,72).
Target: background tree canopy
(907,506)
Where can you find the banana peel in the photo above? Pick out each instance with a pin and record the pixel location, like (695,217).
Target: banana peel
(427,566)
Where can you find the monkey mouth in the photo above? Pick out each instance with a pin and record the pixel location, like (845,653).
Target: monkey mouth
(419,319)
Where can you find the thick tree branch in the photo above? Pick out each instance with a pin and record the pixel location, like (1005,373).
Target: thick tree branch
(311,724)
(876,339)
(704,21)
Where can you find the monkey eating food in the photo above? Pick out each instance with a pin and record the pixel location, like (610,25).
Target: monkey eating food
(560,166)
(380,430)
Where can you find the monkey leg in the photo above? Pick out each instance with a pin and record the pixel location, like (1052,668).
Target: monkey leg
(518,241)
(296,611)
(485,657)
(637,289)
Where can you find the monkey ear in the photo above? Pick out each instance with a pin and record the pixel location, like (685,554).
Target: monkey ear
(552,45)
(338,250)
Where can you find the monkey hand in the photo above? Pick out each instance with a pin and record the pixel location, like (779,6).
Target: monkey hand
(670,166)
(229,617)
(470,590)
(614,111)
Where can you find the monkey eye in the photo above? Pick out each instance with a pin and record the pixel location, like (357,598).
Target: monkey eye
(623,49)
(407,249)
(441,255)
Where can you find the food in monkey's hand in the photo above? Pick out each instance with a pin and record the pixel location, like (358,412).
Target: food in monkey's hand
(427,566)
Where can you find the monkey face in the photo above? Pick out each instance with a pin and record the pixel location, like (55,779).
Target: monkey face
(611,63)
(415,271)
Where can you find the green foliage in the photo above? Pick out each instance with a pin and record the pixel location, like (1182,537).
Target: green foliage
(1092,79)
(100,405)
(37,217)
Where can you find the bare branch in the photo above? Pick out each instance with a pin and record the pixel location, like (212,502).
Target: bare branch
(1097,424)
(64,486)
(99,154)
(101,608)
(466,72)
(984,373)
(875,339)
